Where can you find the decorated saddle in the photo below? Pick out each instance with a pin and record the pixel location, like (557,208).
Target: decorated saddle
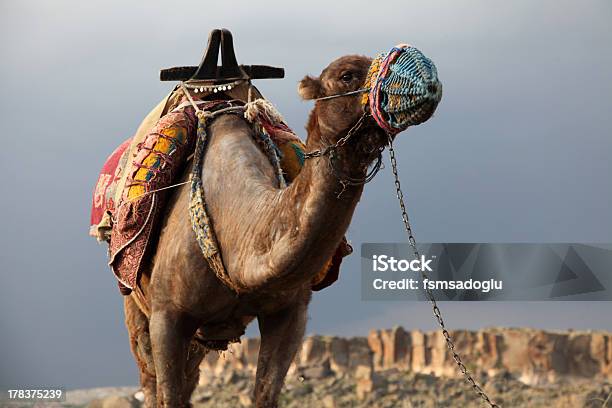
(130,194)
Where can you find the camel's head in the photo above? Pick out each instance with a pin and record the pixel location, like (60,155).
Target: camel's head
(345,74)
(402,88)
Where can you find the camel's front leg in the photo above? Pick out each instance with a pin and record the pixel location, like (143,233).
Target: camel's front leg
(170,333)
(281,336)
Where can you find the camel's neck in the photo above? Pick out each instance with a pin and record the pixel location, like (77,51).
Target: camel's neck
(323,209)
(273,238)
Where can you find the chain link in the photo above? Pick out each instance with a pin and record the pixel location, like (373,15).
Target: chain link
(436,310)
(330,151)
(341,142)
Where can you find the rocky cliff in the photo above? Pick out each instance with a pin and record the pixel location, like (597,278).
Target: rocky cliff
(398,368)
(534,357)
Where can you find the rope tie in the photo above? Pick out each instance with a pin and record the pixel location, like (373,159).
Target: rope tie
(189,98)
(200,222)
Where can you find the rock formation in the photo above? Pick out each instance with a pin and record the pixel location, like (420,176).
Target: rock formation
(535,357)
(399,368)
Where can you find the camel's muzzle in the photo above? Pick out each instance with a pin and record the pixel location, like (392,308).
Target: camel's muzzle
(404,89)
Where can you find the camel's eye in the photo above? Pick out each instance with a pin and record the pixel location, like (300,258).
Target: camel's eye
(347,77)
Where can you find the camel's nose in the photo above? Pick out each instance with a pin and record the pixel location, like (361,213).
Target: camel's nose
(427,102)
(432,88)
(426,90)
(433,92)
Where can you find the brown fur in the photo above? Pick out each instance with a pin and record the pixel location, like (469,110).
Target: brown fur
(273,241)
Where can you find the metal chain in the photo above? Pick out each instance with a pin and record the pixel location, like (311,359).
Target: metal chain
(436,310)
(330,151)
(347,180)
(400,196)
(341,142)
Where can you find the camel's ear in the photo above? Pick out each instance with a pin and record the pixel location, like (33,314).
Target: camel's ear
(309,88)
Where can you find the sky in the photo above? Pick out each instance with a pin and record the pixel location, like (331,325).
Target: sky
(518,151)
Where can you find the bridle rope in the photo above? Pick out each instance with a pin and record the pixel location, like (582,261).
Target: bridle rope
(358,91)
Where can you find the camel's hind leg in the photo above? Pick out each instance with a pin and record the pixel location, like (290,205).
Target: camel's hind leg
(140,343)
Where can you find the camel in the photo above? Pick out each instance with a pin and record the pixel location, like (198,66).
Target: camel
(273,241)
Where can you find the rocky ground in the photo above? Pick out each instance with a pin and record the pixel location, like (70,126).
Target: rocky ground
(392,388)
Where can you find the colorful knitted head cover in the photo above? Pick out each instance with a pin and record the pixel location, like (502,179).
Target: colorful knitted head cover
(404,88)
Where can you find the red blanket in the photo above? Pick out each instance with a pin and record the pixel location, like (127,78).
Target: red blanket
(103,201)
